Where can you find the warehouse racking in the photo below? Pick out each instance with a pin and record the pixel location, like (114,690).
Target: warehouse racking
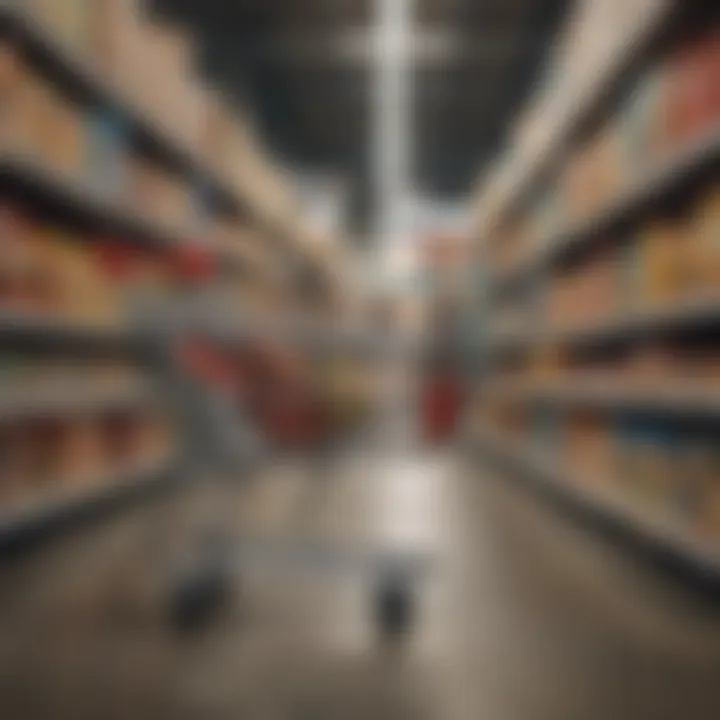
(110,214)
(598,235)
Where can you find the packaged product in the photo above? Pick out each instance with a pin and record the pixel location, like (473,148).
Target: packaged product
(697,496)
(13,473)
(657,464)
(105,154)
(638,126)
(44,289)
(580,188)
(674,119)
(23,111)
(65,19)
(86,294)
(112,28)
(49,126)
(43,461)
(588,446)
(120,435)
(663,262)
(702,366)
(623,431)
(704,248)
(709,516)
(652,364)
(692,101)
(600,283)
(158,194)
(82,458)
(700,80)
(629,275)
(172,56)
(609,169)
(13,257)
(646,453)
(10,73)
(67,140)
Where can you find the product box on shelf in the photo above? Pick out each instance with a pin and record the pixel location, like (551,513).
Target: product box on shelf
(11,68)
(172,55)
(36,119)
(82,460)
(113,28)
(158,194)
(106,154)
(21,110)
(63,139)
(66,20)
(640,119)
(15,258)
(650,467)
(652,364)
(12,470)
(587,447)
(699,363)
(662,259)
(141,73)
(697,496)
(131,435)
(704,249)
(693,98)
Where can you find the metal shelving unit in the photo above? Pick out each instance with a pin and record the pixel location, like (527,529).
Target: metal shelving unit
(631,325)
(666,178)
(24,329)
(39,184)
(75,76)
(638,41)
(74,398)
(36,518)
(73,202)
(688,400)
(682,400)
(662,532)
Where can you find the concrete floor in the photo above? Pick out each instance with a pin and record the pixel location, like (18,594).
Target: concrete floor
(524,615)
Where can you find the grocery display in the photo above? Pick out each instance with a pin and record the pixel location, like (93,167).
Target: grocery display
(126,184)
(604,342)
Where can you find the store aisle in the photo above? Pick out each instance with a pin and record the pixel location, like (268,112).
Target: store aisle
(524,615)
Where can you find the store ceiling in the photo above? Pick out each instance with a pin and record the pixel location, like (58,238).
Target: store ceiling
(306,68)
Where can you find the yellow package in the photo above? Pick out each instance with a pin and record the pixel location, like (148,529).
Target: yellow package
(705,254)
(663,261)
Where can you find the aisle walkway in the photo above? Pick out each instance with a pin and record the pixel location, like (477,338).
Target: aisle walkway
(525,615)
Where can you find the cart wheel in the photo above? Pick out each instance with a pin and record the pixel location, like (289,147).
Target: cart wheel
(394,608)
(197,597)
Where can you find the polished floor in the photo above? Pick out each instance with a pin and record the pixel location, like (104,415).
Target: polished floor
(523,614)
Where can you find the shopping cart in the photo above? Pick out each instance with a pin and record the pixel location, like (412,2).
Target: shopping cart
(224,450)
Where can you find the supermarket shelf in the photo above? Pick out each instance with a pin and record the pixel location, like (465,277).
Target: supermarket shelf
(312,335)
(79,81)
(39,184)
(655,186)
(672,317)
(72,399)
(660,533)
(76,77)
(691,401)
(33,329)
(21,526)
(63,196)
(594,96)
